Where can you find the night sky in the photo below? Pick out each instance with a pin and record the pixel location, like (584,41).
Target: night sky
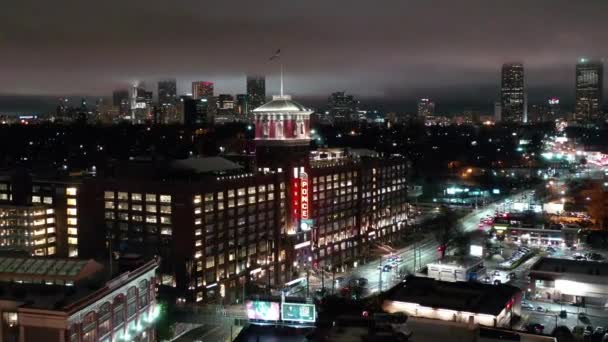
(393,50)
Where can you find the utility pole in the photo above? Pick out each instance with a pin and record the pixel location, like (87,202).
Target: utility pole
(380,276)
(268,263)
(323,280)
(333,280)
(307,281)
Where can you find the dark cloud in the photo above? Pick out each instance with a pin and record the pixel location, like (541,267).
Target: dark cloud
(396,48)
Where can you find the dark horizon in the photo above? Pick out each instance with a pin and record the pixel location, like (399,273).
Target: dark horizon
(397,51)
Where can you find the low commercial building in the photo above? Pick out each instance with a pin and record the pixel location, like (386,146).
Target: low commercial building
(457,269)
(62,300)
(460,302)
(539,236)
(574,281)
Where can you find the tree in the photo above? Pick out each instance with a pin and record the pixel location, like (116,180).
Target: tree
(446,229)
(563,334)
(596,205)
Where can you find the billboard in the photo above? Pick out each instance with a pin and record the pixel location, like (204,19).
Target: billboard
(476,251)
(264,311)
(298,312)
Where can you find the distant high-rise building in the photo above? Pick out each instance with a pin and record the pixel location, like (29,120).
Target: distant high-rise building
(589,87)
(343,107)
(120,100)
(256,92)
(200,111)
(497,112)
(167,92)
(202,89)
(225,102)
(554,108)
(242,104)
(426,107)
(512,97)
(539,113)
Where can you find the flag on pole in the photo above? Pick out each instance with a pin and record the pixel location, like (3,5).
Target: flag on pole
(276,55)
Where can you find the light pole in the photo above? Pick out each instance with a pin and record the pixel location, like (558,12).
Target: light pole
(380,276)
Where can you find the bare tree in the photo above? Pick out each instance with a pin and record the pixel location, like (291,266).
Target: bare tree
(446,229)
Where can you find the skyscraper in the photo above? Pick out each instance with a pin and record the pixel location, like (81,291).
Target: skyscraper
(342,107)
(589,87)
(120,100)
(242,104)
(167,92)
(225,102)
(426,107)
(256,91)
(202,89)
(512,93)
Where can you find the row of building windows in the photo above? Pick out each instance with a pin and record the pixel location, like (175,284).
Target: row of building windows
(136,197)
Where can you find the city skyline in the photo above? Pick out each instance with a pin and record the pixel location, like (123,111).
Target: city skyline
(398,57)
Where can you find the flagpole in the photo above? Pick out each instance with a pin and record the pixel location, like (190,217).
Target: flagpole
(281,79)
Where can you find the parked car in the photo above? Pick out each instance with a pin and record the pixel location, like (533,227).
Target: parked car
(512,275)
(600,331)
(535,328)
(541,309)
(582,316)
(362,281)
(527,306)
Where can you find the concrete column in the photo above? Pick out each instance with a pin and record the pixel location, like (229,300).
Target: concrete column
(21,333)
(62,335)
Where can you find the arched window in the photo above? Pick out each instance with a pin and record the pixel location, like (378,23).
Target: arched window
(119,310)
(144,290)
(105,313)
(131,301)
(88,327)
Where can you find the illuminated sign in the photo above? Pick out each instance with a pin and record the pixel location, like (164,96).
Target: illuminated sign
(476,251)
(306,224)
(298,312)
(260,310)
(304,208)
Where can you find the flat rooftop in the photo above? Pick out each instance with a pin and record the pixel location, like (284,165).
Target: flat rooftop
(471,297)
(431,330)
(463,262)
(46,270)
(568,266)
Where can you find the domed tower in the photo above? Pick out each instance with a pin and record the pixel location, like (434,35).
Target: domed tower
(282,133)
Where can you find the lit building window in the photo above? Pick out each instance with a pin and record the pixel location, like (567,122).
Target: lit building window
(165,198)
(70,191)
(72,231)
(108,194)
(166,231)
(72,221)
(150,197)
(136,197)
(71,201)
(123,196)
(72,241)
(197,199)
(71,211)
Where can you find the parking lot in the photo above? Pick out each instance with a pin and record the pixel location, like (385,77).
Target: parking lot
(551,318)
